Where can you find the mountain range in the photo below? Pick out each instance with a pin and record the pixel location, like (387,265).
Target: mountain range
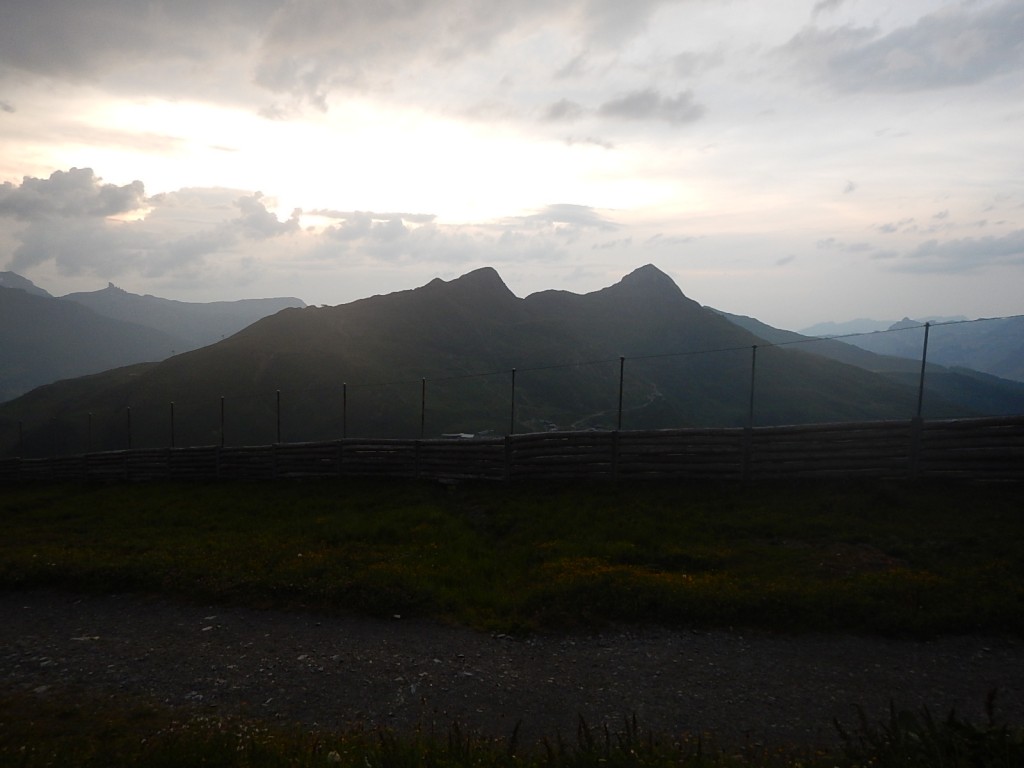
(468,356)
(993,346)
(44,339)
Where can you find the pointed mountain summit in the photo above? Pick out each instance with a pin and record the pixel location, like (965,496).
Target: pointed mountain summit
(649,282)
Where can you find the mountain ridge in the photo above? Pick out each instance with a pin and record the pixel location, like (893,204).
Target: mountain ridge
(439,358)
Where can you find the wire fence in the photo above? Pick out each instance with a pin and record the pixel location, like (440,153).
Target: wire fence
(495,402)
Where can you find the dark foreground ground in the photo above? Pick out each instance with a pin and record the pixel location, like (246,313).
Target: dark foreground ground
(336,671)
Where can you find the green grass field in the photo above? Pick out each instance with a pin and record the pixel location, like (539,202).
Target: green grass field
(877,558)
(905,559)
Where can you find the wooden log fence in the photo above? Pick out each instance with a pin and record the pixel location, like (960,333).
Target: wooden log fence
(976,449)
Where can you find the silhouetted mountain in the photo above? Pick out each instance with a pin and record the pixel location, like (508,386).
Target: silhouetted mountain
(16,281)
(43,339)
(865,325)
(993,346)
(980,392)
(363,368)
(198,324)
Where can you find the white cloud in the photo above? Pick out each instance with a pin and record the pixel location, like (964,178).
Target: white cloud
(70,223)
(77,192)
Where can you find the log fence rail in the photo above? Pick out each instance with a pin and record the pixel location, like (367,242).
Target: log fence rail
(976,449)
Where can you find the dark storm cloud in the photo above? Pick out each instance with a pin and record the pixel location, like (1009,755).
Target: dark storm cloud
(74,193)
(649,104)
(953,47)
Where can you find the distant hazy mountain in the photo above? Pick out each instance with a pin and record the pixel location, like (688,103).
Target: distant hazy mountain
(982,392)
(863,325)
(995,347)
(198,324)
(14,280)
(43,339)
(685,365)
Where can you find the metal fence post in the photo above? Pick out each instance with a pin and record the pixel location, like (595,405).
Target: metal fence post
(924,362)
(88,436)
(129,427)
(344,410)
(222,421)
(279,415)
(172,424)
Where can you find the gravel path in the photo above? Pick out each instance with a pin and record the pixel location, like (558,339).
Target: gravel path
(342,671)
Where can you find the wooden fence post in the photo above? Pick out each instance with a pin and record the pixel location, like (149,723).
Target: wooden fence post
(747,448)
(916,435)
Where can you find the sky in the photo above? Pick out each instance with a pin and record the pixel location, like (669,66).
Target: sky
(796,161)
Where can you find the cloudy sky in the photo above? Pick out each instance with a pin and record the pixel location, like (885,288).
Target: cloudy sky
(798,160)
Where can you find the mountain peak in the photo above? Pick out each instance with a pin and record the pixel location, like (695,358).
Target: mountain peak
(648,275)
(17,282)
(480,283)
(648,282)
(484,277)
